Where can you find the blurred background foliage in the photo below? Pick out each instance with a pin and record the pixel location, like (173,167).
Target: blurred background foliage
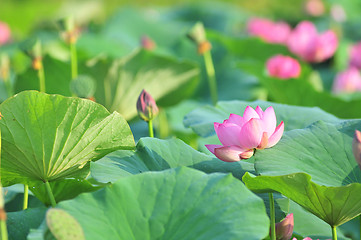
(23,15)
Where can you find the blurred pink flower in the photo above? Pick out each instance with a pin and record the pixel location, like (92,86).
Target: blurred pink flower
(147,43)
(5,33)
(348,81)
(241,135)
(307,238)
(305,42)
(272,32)
(283,67)
(355,55)
(356,147)
(284,229)
(314,7)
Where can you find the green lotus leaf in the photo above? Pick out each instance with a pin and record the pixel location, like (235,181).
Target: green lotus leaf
(51,137)
(153,154)
(62,190)
(322,150)
(334,205)
(179,203)
(20,223)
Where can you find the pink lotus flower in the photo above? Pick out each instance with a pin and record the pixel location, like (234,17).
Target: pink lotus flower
(284,229)
(283,67)
(348,81)
(272,32)
(355,56)
(305,42)
(241,135)
(5,33)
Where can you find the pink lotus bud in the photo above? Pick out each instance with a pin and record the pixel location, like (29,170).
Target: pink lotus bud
(305,42)
(356,147)
(314,7)
(355,55)
(241,135)
(272,32)
(5,33)
(283,67)
(147,43)
(146,106)
(348,81)
(284,229)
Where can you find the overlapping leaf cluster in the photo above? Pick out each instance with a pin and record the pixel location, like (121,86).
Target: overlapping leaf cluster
(111,182)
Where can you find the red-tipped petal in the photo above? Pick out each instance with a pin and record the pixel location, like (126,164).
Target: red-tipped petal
(236,119)
(259,111)
(276,136)
(249,113)
(251,134)
(269,121)
(211,147)
(231,153)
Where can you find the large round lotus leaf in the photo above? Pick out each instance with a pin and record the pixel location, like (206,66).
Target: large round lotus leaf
(180,203)
(323,150)
(50,137)
(334,205)
(154,154)
(201,119)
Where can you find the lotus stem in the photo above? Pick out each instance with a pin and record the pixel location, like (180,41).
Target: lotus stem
(150,128)
(272,216)
(41,76)
(211,76)
(50,194)
(334,233)
(26,196)
(74,61)
(8,86)
(3,229)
